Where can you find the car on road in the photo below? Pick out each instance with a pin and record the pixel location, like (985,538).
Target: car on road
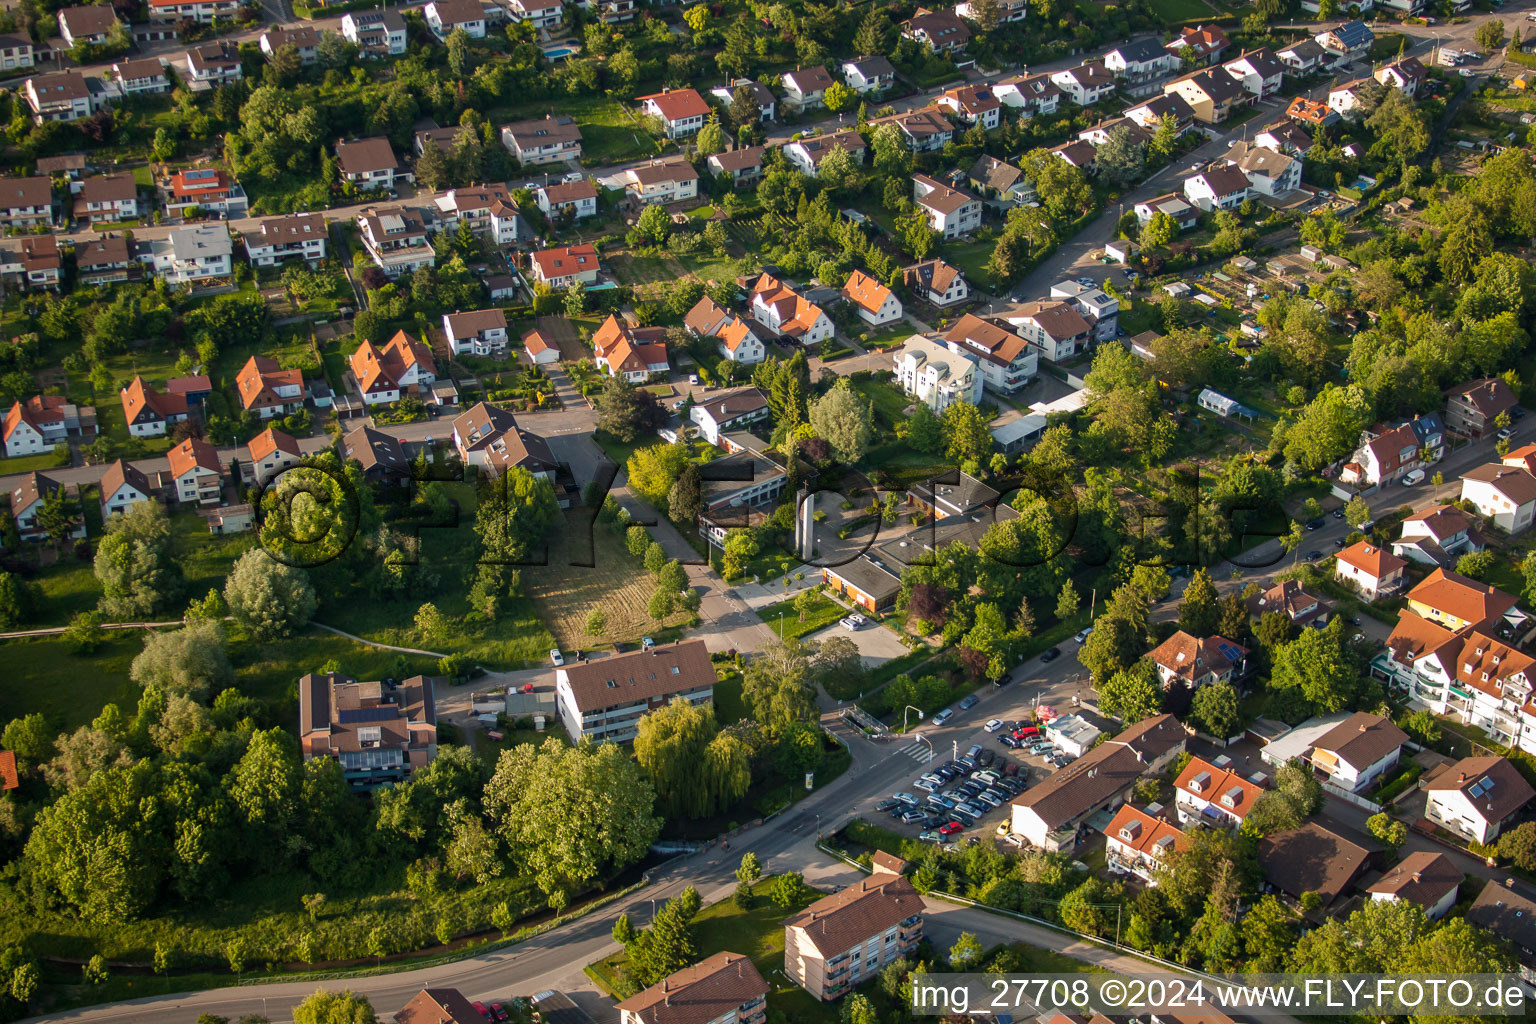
(1466,72)
(1412,477)
(1082,634)
(993,725)
(949,828)
(1338,513)
(1506,433)
(943,716)
(1314,555)
(556,657)
(1050,655)
(1315,524)
(969,702)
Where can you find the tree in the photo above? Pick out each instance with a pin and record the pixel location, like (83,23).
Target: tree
(1388,830)
(1198,609)
(711,138)
(1068,602)
(965,952)
(134,565)
(839,97)
(189,662)
(1358,512)
(325,1007)
(666,946)
(966,437)
(788,890)
(431,624)
(1121,158)
(569,814)
(873,33)
(624,411)
(670,745)
(924,430)
(1215,708)
(990,639)
(1318,669)
(986,14)
(17,600)
(267,598)
(432,168)
(696,17)
(844,421)
(1490,34)
(653,224)
(1132,694)
(749,871)
(857,1009)
(597,622)
(1518,846)
(776,686)
(838,167)
(1159,231)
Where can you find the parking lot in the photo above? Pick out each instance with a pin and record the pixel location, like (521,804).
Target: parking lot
(877,645)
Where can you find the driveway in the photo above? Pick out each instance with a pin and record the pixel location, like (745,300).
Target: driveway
(877,645)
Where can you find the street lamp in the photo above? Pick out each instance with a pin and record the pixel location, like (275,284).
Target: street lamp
(924,739)
(909,707)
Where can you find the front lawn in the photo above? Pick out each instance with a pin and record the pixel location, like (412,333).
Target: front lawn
(784,618)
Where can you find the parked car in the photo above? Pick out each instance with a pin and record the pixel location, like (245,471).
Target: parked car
(1082,634)
(974,751)
(943,716)
(1050,655)
(1315,524)
(1506,433)
(499,1013)
(949,828)
(856,618)
(1010,770)
(906,798)
(1314,555)
(927,784)
(1025,731)
(848,624)
(967,820)
(556,657)
(931,836)
(969,702)
(988,799)
(993,725)
(988,756)
(481,1009)
(646,643)
(912,817)
(1413,477)
(941,801)
(887,805)
(1011,742)
(1338,513)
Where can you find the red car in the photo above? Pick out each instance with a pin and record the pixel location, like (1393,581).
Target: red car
(949,828)
(1025,732)
(481,1010)
(499,1012)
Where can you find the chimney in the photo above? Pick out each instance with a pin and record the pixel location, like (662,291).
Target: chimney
(1363,727)
(1461,777)
(1418,876)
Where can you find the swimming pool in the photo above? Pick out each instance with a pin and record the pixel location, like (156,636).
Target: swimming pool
(559,52)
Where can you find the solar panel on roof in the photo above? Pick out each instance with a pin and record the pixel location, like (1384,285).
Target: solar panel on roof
(380,714)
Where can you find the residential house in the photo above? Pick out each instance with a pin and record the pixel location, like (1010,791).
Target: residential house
(1385,456)
(723,988)
(936,283)
(1007,11)
(741,166)
(16,51)
(1140,65)
(204,190)
(561,268)
(1524,457)
(869,75)
(734,336)
(36,262)
(375,33)
(1029,94)
(1000,183)
(636,353)
(951,495)
(843,940)
(1086,84)
(481,332)
(1477,797)
(213,64)
(729,411)
(1510,915)
(547,140)
(1303,58)
(267,389)
(60,96)
(767,103)
(197,478)
(539,350)
(542,14)
(1285,136)
(1348,100)
(951,212)
(1206,794)
(1193,662)
(1150,114)
(805,88)
(444,1005)
(122,487)
(1454,601)
(379,455)
(191,254)
(1358,751)
(1050,814)
(604,698)
(369,163)
(973,105)
(195,388)
(1314,859)
(1098,308)
(1258,71)
(806,155)
(1055,328)
(574,199)
(1437,536)
(149,412)
(787,313)
(401,366)
(1098,134)
(27,500)
(487,209)
(1406,74)
(741,480)
(1428,879)
(1136,843)
(1471,409)
(1269,172)
(26,203)
(203,12)
(396,239)
(305,40)
(104,198)
(1201,45)
(445,17)
(876,304)
(1311,114)
(141,76)
(1351,40)
(1221,187)
(662,181)
(94,24)
(864,582)
(1371,570)
(924,130)
(382,732)
(38,424)
(938,31)
(269,454)
(682,111)
(1290,599)
(1505,494)
(276,239)
(1006,360)
(1211,93)
(935,375)
(1184,215)
(489,438)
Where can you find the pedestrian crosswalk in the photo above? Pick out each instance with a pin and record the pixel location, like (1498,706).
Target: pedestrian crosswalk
(917,751)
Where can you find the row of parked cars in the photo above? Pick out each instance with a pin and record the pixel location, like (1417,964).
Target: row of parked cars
(1029,738)
(979,785)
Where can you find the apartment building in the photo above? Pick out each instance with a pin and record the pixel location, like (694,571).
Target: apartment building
(722,989)
(844,939)
(381,732)
(1208,794)
(1138,844)
(603,699)
(547,140)
(936,375)
(296,236)
(1006,360)
(396,239)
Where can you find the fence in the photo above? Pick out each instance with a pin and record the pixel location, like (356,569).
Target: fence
(1351,798)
